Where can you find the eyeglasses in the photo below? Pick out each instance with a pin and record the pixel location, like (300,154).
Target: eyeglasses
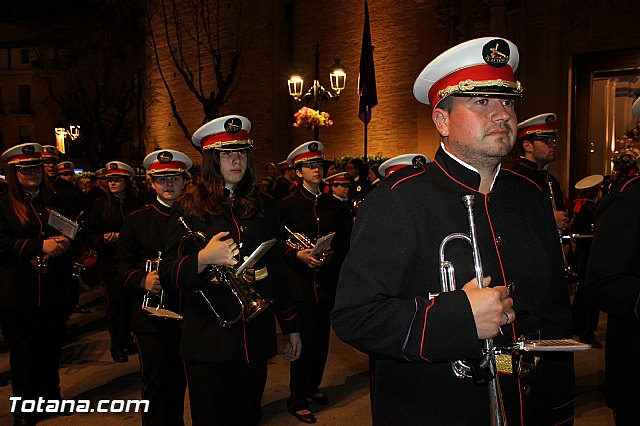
(547,141)
(312,166)
(344,185)
(115,179)
(163,180)
(28,170)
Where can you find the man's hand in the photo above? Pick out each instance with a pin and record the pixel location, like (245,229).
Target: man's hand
(305,257)
(56,246)
(152,282)
(294,347)
(491,307)
(562,221)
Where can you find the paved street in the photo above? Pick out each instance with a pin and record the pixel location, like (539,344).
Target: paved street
(88,373)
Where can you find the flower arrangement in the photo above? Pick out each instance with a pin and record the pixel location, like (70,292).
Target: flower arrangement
(310,118)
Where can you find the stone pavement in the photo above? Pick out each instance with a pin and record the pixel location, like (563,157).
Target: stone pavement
(88,373)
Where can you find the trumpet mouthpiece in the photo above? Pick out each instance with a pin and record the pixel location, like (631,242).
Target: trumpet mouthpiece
(468,200)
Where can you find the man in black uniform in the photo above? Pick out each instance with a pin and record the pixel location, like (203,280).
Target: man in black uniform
(382,302)
(284,184)
(537,140)
(157,331)
(613,286)
(312,281)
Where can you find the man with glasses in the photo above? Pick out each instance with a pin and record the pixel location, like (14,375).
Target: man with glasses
(538,139)
(312,281)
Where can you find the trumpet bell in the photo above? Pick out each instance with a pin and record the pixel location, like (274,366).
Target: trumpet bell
(255,307)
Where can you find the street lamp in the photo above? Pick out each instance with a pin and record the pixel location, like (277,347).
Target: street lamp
(62,133)
(337,78)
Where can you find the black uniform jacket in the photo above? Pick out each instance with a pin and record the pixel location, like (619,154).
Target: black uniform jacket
(102,221)
(141,238)
(203,339)
(613,286)
(382,305)
(20,284)
(302,213)
(529,169)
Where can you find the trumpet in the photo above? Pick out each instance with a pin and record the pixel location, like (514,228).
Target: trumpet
(463,368)
(299,241)
(251,303)
(159,310)
(571,275)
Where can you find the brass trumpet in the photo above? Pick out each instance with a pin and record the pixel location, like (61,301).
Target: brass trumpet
(159,310)
(572,276)
(299,241)
(251,303)
(462,368)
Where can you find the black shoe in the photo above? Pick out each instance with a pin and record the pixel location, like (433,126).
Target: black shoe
(22,420)
(304,418)
(120,356)
(319,398)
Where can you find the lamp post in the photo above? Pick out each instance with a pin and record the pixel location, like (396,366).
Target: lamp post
(337,77)
(62,133)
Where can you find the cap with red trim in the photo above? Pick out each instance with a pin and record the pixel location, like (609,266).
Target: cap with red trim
(65,167)
(540,125)
(336,178)
(480,67)
(49,152)
(402,161)
(101,173)
(118,168)
(284,165)
(635,108)
(24,154)
(308,152)
(167,162)
(228,133)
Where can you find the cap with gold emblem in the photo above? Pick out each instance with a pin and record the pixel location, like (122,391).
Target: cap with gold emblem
(335,179)
(402,161)
(25,154)
(308,152)
(480,67)
(228,133)
(542,125)
(118,168)
(101,173)
(167,162)
(50,153)
(65,167)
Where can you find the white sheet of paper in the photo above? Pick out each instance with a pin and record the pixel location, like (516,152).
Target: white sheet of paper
(323,244)
(256,255)
(65,225)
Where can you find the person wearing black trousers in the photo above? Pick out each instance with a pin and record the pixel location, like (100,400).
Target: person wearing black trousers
(312,281)
(33,291)
(140,243)
(102,232)
(226,353)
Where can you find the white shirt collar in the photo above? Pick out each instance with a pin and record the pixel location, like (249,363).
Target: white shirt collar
(468,166)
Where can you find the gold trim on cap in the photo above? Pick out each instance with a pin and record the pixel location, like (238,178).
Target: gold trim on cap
(467,86)
(220,146)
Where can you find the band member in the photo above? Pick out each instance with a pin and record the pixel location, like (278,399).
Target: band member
(312,281)
(103,229)
(140,243)
(382,302)
(537,140)
(612,286)
(285,183)
(401,161)
(66,171)
(33,293)
(226,352)
(358,175)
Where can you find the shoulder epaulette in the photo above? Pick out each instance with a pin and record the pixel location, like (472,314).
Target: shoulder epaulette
(523,177)
(141,209)
(416,172)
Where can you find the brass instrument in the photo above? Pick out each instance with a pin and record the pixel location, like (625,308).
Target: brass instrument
(159,310)
(571,275)
(251,303)
(299,241)
(462,368)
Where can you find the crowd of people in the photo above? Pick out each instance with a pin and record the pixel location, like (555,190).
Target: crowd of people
(198,271)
